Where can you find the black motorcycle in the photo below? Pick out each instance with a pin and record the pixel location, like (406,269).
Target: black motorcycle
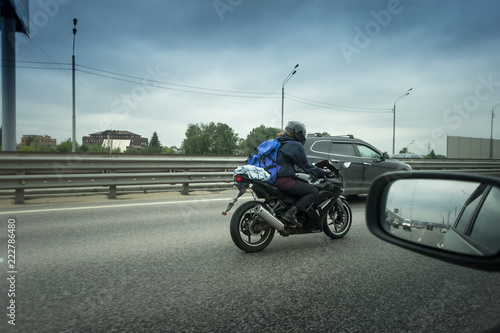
(254,223)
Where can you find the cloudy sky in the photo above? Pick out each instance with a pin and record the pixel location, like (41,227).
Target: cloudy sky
(159,65)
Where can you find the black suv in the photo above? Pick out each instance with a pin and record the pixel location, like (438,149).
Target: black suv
(367,161)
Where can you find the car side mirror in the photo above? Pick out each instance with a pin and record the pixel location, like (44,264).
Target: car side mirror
(449,216)
(385,156)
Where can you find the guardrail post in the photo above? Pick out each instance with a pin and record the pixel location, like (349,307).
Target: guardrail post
(19,197)
(112,192)
(185,189)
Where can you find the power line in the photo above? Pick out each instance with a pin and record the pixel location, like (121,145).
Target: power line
(178,85)
(158,84)
(33,67)
(51,64)
(152,83)
(44,63)
(192,89)
(90,90)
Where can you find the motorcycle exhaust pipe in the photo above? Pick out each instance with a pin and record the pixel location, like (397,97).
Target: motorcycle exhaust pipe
(269,218)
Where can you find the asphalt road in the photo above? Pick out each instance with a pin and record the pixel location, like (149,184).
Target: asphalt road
(168,264)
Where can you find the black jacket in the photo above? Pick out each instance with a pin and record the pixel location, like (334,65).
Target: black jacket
(293,153)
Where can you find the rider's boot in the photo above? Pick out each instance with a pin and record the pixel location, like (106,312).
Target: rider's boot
(291,216)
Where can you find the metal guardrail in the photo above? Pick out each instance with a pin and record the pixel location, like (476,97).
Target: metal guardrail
(20,172)
(90,164)
(484,167)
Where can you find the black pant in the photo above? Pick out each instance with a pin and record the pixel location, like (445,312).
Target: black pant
(307,193)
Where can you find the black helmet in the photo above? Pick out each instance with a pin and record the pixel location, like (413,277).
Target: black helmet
(297,130)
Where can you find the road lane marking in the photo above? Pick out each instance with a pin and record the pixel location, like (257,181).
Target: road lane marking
(114,206)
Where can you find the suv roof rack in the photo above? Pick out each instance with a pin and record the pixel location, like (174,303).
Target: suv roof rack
(318,134)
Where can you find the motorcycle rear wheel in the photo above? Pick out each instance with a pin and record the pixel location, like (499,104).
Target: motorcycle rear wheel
(338,220)
(250,232)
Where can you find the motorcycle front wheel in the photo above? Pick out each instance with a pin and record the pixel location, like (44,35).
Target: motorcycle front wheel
(250,232)
(338,221)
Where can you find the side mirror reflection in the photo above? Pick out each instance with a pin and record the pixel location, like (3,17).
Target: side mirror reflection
(448,214)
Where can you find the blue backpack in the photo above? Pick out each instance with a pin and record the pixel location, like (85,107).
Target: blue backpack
(265,158)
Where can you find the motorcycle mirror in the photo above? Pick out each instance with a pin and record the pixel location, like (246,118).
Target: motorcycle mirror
(449,216)
(323,164)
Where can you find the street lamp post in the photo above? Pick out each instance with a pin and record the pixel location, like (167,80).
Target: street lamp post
(73,136)
(407,147)
(394,118)
(491,136)
(283,94)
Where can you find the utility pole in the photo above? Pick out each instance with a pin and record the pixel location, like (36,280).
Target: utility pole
(73,136)
(491,135)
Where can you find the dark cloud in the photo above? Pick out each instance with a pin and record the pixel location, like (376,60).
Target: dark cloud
(351,53)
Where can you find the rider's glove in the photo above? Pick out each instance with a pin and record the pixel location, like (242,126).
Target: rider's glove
(329,174)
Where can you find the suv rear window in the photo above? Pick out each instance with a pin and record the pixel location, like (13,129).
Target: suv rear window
(322,146)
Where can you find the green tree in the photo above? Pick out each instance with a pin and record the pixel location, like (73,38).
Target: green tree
(83,148)
(155,142)
(169,150)
(48,149)
(66,146)
(99,149)
(404,151)
(321,134)
(154,146)
(210,139)
(132,150)
(194,143)
(256,137)
(432,154)
(29,140)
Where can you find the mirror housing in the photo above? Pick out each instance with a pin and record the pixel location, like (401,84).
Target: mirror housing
(385,156)
(376,217)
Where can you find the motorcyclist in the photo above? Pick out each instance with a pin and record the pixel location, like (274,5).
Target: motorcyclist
(290,154)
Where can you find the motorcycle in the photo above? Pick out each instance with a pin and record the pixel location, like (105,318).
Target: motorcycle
(254,223)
